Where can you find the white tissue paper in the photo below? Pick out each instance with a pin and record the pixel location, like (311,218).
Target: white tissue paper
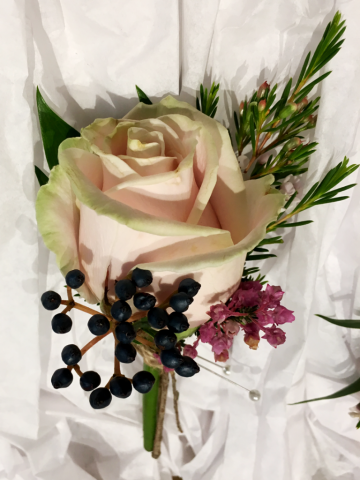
(86,56)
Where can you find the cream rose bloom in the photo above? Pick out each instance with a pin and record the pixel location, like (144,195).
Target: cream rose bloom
(160,189)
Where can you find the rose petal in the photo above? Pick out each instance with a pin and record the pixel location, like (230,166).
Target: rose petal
(58,222)
(228,195)
(144,144)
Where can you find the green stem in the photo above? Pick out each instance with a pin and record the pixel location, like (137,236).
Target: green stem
(150,404)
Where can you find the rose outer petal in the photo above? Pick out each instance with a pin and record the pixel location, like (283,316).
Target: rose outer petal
(58,222)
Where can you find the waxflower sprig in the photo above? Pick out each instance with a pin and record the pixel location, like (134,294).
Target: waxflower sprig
(319,194)
(262,118)
(251,310)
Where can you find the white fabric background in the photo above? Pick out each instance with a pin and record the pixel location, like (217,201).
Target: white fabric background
(87,56)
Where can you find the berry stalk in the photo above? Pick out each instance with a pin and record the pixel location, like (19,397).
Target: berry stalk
(150,403)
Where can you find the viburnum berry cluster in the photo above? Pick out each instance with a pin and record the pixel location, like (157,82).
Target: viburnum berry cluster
(158,334)
(250,309)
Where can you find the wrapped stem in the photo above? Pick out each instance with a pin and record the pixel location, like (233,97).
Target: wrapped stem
(150,405)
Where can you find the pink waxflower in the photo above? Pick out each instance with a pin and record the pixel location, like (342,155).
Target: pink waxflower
(231,328)
(272,296)
(220,312)
(265,317)
(190,351)
(283,315)
(274,335)
(247,295)
(220,343)
(264,87)
(252,337)
(222,357)
(207,331)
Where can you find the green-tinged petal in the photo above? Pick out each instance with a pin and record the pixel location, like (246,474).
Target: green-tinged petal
(58,222)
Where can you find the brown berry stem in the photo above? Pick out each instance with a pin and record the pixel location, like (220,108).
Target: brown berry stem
(67,309)
(69,294)
(117,369)
(93,342)
(144,342)
(83,308)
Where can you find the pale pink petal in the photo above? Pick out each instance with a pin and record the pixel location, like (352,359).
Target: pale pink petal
(58,222)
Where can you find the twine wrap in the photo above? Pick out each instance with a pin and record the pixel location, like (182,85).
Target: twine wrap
(148,356)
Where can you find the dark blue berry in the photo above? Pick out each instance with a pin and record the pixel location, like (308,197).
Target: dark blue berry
(188,368)
(142,278)
(144,301)
(120,387)
(125,289)
(189,286)
(121,311)
(171,358)
(125,332)
(98,324)
(50,300)
(100,398)
(125,352)
(71,354)
(89,380)
(61,323)
(157,317)
(62,378)
(180,302)
(143,381)
(178,322)
(165,339)
(74,279)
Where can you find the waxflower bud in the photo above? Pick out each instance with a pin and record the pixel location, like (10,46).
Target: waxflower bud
(288,110)
(262,105)
(263,90)
(302,104)
(291,144)
(241,107)
(312,120)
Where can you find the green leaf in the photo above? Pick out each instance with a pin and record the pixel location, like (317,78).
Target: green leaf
(303,69)
(207,103)
(268,241)
(349,390)
(150,405)
(289,202)
(42,178)
(143,98)
(295,224)
(187,333)
(306,90)
(341,323)
(53,130)
(259,257)
(252,133)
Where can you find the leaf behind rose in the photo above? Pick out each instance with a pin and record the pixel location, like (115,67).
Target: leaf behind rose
(143,98)
(42,178)
(54,130)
